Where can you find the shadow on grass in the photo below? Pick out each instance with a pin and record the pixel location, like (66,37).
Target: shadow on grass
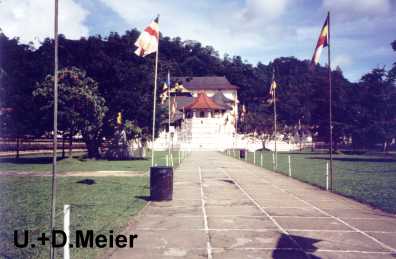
(356,159)
(285,242)
(87,181)
(144,198)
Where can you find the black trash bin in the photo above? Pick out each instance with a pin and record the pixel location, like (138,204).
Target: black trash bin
(242,153)
(161,183)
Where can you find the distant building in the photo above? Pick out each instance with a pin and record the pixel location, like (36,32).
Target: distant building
(207,114)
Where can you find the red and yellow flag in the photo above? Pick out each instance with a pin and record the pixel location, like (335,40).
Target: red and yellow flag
(323,42)
(147,42)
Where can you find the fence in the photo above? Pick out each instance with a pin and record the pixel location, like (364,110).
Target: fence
(33,144)
(174,158)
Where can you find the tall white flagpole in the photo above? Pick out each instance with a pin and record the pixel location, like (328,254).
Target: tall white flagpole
(275,129)
(330,106)
(273,86)
(169,115)
(55,140)
(155,100)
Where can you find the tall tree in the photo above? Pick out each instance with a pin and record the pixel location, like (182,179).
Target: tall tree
(19,116)
(81,108)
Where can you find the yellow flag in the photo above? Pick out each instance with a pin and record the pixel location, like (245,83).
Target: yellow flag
(119,118)
(273,87)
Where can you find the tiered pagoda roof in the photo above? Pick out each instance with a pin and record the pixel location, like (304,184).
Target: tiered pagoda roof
(203,102)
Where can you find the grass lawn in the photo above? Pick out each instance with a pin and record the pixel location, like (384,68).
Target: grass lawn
(42,163)
(370,179)
(105,205)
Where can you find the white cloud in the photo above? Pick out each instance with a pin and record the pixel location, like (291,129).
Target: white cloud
(341,60)
(350,9)
(32,20)
(264,9)
(307,33)
(228,26)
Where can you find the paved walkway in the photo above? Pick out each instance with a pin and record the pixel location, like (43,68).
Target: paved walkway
(225,208)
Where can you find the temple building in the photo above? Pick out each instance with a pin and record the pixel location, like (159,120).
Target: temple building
(206,114)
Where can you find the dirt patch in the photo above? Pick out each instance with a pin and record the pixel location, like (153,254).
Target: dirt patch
(79,174)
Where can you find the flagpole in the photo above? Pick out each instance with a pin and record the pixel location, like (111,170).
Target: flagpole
(169,115)
(330,108)
(55,136)
(273,87)
(275,129)
(154,101)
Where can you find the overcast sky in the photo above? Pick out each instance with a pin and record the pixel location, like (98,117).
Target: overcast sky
(257,30)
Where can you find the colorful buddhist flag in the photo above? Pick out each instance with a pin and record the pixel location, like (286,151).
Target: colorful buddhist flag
(147,42)
(173,107)
(323,42)
(273,87)
(164,94)
(119,118)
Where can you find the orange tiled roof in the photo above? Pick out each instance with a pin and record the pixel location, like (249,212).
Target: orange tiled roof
(203,102)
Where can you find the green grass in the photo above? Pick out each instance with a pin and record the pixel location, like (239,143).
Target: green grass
(369,179)
(105,205)
(42,163)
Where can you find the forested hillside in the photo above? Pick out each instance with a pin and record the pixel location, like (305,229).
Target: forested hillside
(363,111)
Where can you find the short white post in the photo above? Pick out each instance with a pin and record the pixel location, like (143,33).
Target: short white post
(167,160)
(289,166)
(273,160)
(327,176)
(254,157)
(171,159)
(261,159)
(179,157)
(66,229)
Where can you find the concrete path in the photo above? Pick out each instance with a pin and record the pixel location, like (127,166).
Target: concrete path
(225,208)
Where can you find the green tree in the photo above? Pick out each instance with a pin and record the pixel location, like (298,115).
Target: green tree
(81,108)
(19,115)
(375,110)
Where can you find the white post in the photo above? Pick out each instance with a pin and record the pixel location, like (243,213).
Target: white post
(289,166)
(273,160)
(66,229)
(179,157)
(171,159)
(261,159)
(254,157)
(167,160)
(327,176)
